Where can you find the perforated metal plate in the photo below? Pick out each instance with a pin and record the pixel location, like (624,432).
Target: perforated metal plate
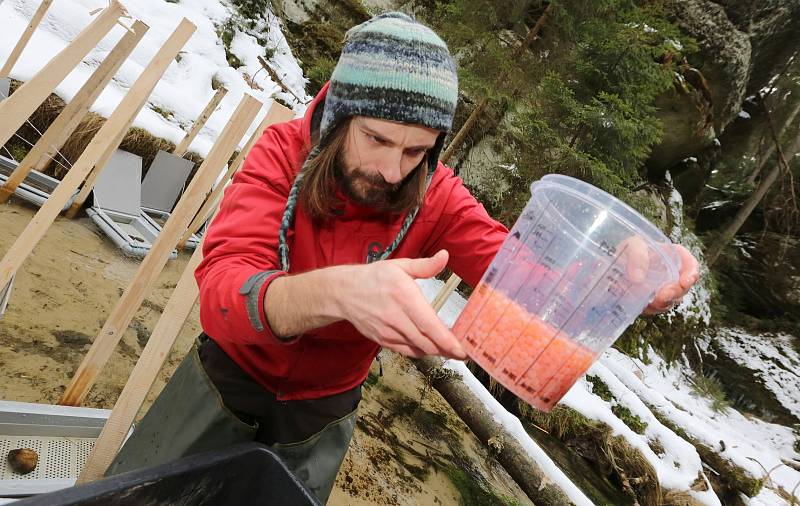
(59,457)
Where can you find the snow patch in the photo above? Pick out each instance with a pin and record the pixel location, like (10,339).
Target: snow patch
(771,357)
(185,88)
(696,305)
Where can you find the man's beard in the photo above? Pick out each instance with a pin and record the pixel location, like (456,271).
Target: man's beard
(370,190)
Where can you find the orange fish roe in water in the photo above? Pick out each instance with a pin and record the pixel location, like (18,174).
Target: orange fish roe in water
(525,354)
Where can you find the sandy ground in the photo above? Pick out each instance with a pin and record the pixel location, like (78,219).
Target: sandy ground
(406,438)
(61,297)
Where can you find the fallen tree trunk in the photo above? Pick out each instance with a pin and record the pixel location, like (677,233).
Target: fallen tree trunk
(510,454)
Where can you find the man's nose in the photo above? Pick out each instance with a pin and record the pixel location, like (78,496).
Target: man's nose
(391,168)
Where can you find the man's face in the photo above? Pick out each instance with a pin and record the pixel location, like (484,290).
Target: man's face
(378,155)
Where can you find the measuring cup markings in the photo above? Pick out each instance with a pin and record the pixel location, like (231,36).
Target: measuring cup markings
(537,329)
(561,310)
(572,366)
(467,320)
(495,344)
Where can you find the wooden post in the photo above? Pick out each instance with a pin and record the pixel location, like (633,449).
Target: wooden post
(66,122)
(17,108)
(144,373)
(122,314)
(183,147)
(444,293)
(276,114)
(118,122)
(24,38)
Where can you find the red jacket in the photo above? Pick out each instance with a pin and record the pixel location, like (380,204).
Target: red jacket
(242,241)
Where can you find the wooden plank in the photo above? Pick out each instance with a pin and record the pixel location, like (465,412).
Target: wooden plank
(24,38)
(122,314)
(276,114)
(72,114)
(17,108)
(183,147)
(119,121)
(144,373)
(444,293)
(5,294)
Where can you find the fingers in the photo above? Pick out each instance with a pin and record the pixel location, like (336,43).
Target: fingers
(638,258)
(424,267)
(428,323)
(407,333)
(690,267)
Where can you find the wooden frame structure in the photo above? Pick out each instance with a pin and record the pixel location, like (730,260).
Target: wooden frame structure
(118,122)
(17,108)
(122,314)
(70,117)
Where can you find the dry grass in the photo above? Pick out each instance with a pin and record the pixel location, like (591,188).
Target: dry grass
(596,442)
(675,498)
(137,141)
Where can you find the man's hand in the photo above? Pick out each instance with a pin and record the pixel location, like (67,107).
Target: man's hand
(384,303)
(380,299)
(668,295)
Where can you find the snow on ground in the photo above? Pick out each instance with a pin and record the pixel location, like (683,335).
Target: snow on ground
(185,88)
(677,467)
(771,357)
(749,442)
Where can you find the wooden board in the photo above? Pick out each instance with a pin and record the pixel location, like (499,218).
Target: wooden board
(183,146)
(24,38)
(276,114)
(144,373)
(17,108)
(122,314)
(65,124)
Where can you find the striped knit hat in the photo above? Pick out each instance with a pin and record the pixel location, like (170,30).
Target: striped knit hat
(394,68)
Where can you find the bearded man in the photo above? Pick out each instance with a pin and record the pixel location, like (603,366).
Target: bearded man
(310,264)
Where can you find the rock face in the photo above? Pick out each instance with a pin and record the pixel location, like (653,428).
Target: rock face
(742,45)
(773,27)
(724,57)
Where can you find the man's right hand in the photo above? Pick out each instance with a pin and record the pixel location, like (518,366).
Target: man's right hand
(381,300)
(384,303)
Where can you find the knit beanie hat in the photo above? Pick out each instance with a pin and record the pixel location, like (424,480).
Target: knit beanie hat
(393,68)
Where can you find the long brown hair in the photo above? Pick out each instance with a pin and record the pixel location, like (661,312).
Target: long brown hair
(317,192)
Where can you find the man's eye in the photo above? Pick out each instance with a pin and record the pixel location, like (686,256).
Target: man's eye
(377,140)
(415,152)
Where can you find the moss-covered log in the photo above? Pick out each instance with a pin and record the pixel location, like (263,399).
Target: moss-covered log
(510,454)
(730,475)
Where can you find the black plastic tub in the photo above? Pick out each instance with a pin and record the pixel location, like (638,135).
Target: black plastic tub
(248,473)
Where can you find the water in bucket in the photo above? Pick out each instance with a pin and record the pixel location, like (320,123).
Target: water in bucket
(562,288)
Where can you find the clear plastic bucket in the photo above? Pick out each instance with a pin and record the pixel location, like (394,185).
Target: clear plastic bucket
(563,288)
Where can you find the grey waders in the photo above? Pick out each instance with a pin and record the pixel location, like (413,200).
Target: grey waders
(189,417)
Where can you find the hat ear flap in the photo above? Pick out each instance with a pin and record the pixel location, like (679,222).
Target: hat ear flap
(434,152)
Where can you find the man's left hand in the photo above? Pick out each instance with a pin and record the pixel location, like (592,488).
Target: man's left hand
(671,295)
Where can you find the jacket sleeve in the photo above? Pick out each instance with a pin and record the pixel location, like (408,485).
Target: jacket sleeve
(240,248)
(465,230)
